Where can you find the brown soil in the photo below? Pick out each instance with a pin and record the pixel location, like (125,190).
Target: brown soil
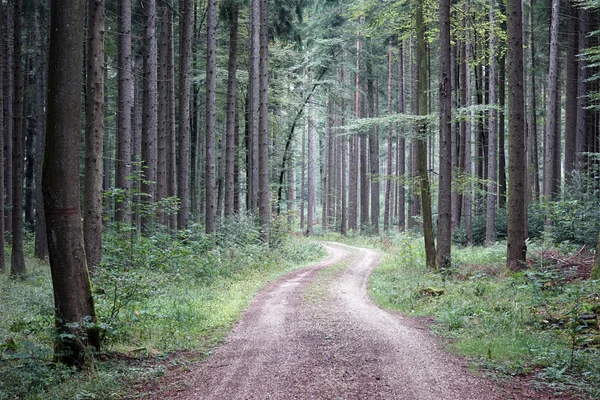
(318,336)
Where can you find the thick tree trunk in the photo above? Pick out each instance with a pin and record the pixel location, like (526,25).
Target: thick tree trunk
(330,172)
(125,85)
(211,86)
(171,120)
(17,266)
(444,233)
(422,111)
(231,114)
(490,229)
(186,25)
(516,247)
(72,293)
(8,142)
(94,130)
(303,175)
(263,128)
(550,178)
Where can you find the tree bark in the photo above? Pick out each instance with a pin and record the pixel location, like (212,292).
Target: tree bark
(186,26)
(74,305)
(263,135)
(550,179)
(8,154)
(571,93)
(533,174)
(94,129)
(311,184)
(581,89)
(41,241)
(150,111)
(231,113)
(2,134)
(390,147)
(401,160)
(254,100)
(211,85)
(125,85)
(422,111)
(17,266)
(490,229)
(516,247)
(444,226)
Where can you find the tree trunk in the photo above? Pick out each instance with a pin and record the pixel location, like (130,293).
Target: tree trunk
(311,185)
(571,94)
(150,112)
(162,111)
(344,166)
(581,89)
(231,113)
(125,85)
(254,100)
(490,232)
(41,241)
(422,141)
(211,86)
(94,129)
(444,233)
(186,25)
(533,175)
(2,132)
(501,134)
(330,222)
(516,247)
(74,305)
(17,267)
(550,178)
(8,141)
(263,134)
(373,155)
(401,159)
(390,147)
(303,175)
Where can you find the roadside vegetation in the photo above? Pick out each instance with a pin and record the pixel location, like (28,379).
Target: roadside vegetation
(541,323)
(162,299)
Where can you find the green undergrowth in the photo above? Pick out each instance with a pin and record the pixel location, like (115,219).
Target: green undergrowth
(538,323)
(156,297)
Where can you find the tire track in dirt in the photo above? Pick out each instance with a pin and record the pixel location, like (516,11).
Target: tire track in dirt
(339,345)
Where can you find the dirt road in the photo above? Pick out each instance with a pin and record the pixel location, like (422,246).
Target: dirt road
(314,334)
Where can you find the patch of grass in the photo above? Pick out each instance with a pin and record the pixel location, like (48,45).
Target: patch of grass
(526,323)
(154,296)
(318,287)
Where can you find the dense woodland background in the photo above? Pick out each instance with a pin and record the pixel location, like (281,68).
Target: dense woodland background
(474,119)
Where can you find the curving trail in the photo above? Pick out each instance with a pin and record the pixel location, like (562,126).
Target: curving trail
(311,336)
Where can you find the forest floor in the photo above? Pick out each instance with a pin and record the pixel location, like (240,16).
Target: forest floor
(315,334)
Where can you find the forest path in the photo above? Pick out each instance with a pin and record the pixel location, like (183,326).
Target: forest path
(315,334)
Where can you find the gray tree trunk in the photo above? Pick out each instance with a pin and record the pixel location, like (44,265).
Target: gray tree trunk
(444,231)
(124,93)
(2,132)
(94,130)
(263,134)
(550,179)
(490,233)
(231,114)
(186,25)
(516,247)
(17,265)
(211,86)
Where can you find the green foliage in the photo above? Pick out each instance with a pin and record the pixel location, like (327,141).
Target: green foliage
(509,323)
(154,295)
